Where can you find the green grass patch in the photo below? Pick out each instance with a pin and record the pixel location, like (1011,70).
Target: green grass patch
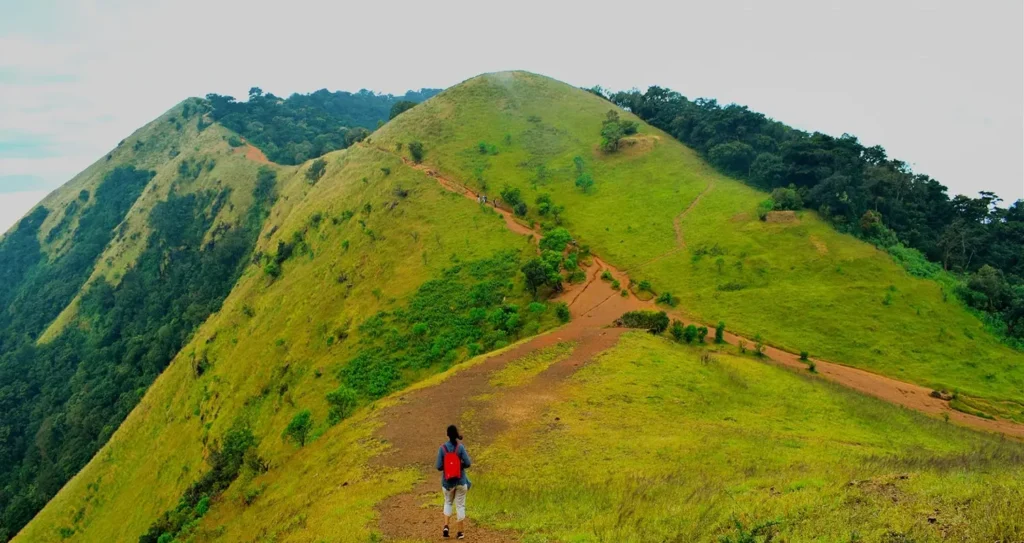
(680,448)
(522,370)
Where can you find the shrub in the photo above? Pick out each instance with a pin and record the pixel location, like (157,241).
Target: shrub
(812,367)
(536,307)
(233,141)
(606,275)
(625,293)
(803,355)
(667,299)
(416,151)
(562,312)
(720,332)
(544,204)
(298,429)
(584,182)
(400,107)
(556,239)
(512,196)
(520,209)
(702,332)
(655,322)
(616,284)
(743,346)
(316,170)
(386,171)
(644,286)
(764,208)
(342,402)
(273,269)
(677,330)
(787,199)
(690,333)
(758,345)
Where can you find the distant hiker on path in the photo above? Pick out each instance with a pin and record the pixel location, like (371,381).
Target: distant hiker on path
(452,461)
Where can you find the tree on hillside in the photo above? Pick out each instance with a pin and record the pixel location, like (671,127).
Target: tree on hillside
(400,107)
(316,170)
(540,273)
(613,130)
(585,182)
(298,429)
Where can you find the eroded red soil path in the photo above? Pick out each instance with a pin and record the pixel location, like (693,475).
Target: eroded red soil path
(414,427)
(892,390)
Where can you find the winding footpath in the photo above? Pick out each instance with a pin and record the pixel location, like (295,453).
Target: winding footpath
(412,426)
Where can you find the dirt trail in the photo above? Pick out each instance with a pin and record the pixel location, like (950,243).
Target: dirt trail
(414,426)
(677,225)
(892,390)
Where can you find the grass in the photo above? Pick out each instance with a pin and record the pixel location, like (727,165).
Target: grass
(277,346)
(677,449)
(522,370)
(789,282)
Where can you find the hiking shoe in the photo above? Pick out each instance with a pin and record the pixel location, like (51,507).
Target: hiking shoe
(445,532)
(460,535)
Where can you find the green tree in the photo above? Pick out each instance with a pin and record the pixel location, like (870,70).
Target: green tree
(556,239)
(720,332)
(690,333)
(767,171)
(584,182)
(400,107)
(342,402)
(677,330)
(300,426)
(316,170)
(702,332)
(612,132)
(734,157)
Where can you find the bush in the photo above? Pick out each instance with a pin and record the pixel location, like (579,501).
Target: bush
(233,141)
(584,182)
(556,239)
(655,322)
(720,332)
(667,299)
(512,196)
(544,204)
(342,402)
(416,151)
(787,199)
(690,333)
(316,170)
(520,209)
(677,330)
(764,208)
(644,286)
(562,312)
(606,275)
(702,332)
(758,345)
(400,107)
(803,356)
(298,429)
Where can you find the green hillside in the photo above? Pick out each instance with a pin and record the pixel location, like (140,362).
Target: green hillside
(258,328)
(798,283)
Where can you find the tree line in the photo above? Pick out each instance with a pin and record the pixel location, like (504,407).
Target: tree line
(861,191)
(304,126)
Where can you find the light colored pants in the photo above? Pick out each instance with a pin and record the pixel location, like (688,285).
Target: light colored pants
(458,496)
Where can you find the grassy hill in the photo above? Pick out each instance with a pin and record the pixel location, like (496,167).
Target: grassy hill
(797,282)
(357,279)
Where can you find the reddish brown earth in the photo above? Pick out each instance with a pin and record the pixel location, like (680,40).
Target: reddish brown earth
(414,427)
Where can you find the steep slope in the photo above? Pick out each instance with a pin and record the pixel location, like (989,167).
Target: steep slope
(111,273)
(373,255)
(375,273)
(792,280)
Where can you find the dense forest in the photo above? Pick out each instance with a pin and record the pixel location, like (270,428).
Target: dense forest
(60,401)
(305,126)
(861,191)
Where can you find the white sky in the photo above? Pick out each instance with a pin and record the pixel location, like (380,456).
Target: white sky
(939,84)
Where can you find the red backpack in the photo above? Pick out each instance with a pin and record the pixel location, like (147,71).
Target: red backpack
(452,463)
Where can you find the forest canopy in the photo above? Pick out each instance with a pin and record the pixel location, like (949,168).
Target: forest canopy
(303,126)
(862,191)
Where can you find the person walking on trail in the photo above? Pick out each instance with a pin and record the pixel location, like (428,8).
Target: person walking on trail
(452,461)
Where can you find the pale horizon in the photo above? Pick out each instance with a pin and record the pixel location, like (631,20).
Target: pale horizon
(939,86)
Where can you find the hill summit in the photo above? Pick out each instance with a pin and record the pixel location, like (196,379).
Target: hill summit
(310,329)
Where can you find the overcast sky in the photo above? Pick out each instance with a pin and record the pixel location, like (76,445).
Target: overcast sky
(939,84)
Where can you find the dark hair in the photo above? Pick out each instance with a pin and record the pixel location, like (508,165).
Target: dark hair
(453,435)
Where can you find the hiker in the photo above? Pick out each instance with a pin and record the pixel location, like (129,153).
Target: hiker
(452,461)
